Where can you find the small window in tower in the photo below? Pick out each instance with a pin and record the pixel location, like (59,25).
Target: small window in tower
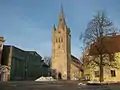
(60,19)
(56,40)
(59,46)
(59,32)
(59,39)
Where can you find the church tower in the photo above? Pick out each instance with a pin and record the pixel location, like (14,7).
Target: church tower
(61,48)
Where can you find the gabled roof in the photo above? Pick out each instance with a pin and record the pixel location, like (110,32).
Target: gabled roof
(30,52)
(14,47)
(33,53)
(77,62)
(111,44)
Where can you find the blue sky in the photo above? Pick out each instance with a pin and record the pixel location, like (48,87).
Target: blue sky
(27,24)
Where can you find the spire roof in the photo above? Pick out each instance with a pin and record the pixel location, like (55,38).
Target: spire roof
(54,27)
(62,22)
(61,13)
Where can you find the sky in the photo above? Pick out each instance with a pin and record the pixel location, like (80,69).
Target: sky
(27,24)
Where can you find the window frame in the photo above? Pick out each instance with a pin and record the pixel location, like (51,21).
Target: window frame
(96,73)
(113,73)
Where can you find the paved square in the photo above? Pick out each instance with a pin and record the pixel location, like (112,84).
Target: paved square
(57,85)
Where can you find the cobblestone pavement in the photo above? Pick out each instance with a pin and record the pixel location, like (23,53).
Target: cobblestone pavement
(58,85)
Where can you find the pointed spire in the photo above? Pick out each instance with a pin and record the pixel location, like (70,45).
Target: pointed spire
(61,17)
(54,28)
(62,22)
(62,13)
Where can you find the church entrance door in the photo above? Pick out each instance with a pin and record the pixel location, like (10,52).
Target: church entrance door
(59,76)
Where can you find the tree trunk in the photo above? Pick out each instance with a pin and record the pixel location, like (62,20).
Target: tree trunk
(101,69)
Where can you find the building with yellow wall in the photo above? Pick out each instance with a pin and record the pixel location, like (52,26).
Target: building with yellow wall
(63,63)
(111,74)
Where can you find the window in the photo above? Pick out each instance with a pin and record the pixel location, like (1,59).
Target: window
(97,74)
(59,32)
(60,19)
(59,46)
(113,74)
(87,76)
(111,57)
(61,39)
(56,40)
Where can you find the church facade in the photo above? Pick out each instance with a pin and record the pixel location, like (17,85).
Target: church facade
(64,65)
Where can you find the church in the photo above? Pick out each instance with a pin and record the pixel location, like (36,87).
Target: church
(64,65)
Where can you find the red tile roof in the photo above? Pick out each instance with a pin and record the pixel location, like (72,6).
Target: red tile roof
(111,45)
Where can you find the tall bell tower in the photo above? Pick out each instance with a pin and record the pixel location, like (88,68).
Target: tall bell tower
(61,48)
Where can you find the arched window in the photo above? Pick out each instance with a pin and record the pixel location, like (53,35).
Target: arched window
(59,32)
(59,39)
(58,46)
(56,39)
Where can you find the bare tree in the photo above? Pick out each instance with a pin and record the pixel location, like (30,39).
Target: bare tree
(98,31)
(47,61)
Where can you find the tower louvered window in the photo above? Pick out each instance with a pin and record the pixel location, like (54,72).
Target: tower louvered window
(61,39)
(56,40)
